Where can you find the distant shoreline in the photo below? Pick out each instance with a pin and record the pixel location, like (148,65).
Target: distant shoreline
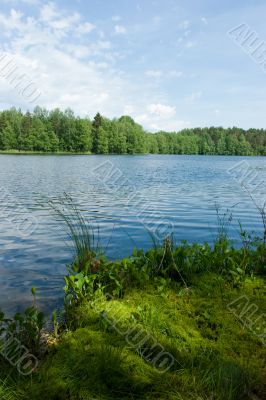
(62,132)
(69,153)
(41,153)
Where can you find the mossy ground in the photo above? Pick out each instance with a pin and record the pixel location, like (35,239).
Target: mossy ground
(216,356)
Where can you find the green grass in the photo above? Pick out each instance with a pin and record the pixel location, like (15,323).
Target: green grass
(120,316)
(9,390)
(216,357)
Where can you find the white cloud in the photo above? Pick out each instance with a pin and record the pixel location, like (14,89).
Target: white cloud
(161,110)
(194,97)
(158,117)
(60,65)
(64,23)
(120,30)
(190,44)
(78,51)
(28,2)
(12,21)
(156,123)
(204,20)
(31,2)
(78,71)
(58,20)
(48,12)
(154,73)
(157,73)
(83,29)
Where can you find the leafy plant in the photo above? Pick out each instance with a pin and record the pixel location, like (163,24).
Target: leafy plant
(26,327)
(79,287)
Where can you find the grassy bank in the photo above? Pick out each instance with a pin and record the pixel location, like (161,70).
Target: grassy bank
(177,322)
(216,356)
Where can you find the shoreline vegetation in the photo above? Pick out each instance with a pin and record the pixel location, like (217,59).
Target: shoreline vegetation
(44,153)
(61,132)
(179,321)
(88,153)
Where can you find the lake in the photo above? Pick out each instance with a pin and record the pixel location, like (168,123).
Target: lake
(125,197)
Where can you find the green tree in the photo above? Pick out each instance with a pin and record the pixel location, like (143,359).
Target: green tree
(244,147)
(134,135)
(83,138)
(221,145)
(96,125)
(55,130)
(102,141)
(162,143)
(7,138)
(37,138)
(231,144)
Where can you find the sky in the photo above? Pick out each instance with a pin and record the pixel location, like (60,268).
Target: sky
(169,64)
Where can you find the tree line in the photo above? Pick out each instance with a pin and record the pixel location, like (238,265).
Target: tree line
(56,130)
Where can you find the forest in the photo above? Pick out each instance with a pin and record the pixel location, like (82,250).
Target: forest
(62,131)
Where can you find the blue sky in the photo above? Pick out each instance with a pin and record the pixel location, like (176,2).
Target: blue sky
(169,64)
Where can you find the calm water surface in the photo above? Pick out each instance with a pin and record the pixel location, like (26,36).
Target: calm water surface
(123,196)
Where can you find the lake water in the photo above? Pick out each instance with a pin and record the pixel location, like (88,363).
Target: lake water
(124,196)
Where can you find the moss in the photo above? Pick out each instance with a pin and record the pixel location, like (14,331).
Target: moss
(216,357)
(176,324)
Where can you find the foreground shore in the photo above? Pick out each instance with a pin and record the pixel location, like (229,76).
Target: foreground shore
(178,322)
